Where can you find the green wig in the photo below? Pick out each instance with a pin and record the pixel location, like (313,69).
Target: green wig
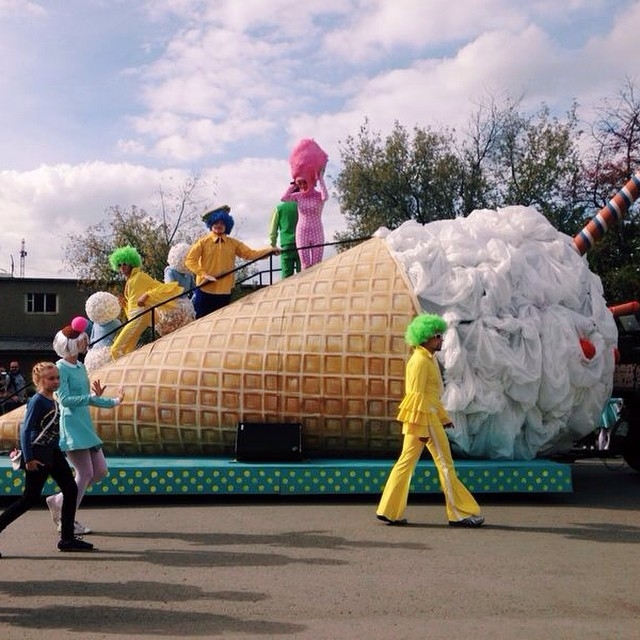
(125,255)
(423,327)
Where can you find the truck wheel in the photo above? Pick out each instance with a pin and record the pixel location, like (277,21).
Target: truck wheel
(630,445)
(632,458)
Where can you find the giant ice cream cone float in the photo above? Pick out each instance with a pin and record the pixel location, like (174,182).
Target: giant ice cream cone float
(324,348)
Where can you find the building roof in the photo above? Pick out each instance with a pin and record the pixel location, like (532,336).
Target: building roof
(26,344)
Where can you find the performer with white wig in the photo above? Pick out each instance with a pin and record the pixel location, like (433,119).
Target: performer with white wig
(176,271)
(103,309)
(78,437)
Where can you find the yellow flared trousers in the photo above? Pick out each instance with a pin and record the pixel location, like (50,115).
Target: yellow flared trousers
(459,501)
(127,339)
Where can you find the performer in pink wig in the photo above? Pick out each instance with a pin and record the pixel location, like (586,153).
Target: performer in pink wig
(308,162)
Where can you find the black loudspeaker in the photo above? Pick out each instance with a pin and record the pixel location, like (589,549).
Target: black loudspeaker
(269,442)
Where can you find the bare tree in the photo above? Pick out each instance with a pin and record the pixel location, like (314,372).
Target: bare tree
(479,153)
(180,209)
(615,154)
(178,220)
(614,157)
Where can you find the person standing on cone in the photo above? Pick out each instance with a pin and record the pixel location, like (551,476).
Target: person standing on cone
(309,231)
(141,291)
(308,162)
(212,259)
(424,420)
(283,223)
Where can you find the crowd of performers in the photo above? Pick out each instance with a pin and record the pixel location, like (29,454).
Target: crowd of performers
(57,433)
(199,277)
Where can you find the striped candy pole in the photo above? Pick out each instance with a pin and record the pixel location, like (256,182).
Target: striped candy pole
(609,215)
(625,309)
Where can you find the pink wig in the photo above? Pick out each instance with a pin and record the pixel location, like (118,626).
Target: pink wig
(308,161)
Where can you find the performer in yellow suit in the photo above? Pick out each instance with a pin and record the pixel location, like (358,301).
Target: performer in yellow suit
(212,259)
(424,421)
(140,292)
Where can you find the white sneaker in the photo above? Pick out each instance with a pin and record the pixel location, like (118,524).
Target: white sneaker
(79,529)
(55,510)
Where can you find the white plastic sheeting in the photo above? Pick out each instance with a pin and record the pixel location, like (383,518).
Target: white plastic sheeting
(518,298)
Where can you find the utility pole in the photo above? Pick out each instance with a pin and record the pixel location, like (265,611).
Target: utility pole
(23,255)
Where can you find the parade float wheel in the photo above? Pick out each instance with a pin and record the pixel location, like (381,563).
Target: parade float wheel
(631,451)
(625,436)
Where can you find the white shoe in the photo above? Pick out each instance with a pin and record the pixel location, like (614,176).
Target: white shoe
(54,509)
(79,529)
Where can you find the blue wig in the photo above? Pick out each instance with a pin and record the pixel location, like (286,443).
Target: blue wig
(219,214)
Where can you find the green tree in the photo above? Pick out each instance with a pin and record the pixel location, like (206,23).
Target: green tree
(385,183)
(615,260)
(539,165)
(87,253)
(504,158)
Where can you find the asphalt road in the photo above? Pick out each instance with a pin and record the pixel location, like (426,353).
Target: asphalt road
(545,566)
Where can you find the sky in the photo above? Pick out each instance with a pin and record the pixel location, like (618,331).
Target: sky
(113,102)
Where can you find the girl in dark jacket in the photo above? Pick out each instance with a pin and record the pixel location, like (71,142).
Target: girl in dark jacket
(39,440)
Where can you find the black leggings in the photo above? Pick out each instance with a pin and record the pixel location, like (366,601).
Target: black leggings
(34,483)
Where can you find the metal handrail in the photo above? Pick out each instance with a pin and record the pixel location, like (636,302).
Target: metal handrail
(244,265)
(223,274)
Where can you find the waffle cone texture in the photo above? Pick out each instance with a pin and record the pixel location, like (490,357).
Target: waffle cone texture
(324,348)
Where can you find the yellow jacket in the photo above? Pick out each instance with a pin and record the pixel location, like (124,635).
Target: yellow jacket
(421,406)
(214,255)
(138,283)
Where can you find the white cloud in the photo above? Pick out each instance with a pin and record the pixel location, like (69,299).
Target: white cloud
(611,55)
(21,8)
(422,26)
(46,205)
(226,88)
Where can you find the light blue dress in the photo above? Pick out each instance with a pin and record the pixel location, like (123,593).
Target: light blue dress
(74,397)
